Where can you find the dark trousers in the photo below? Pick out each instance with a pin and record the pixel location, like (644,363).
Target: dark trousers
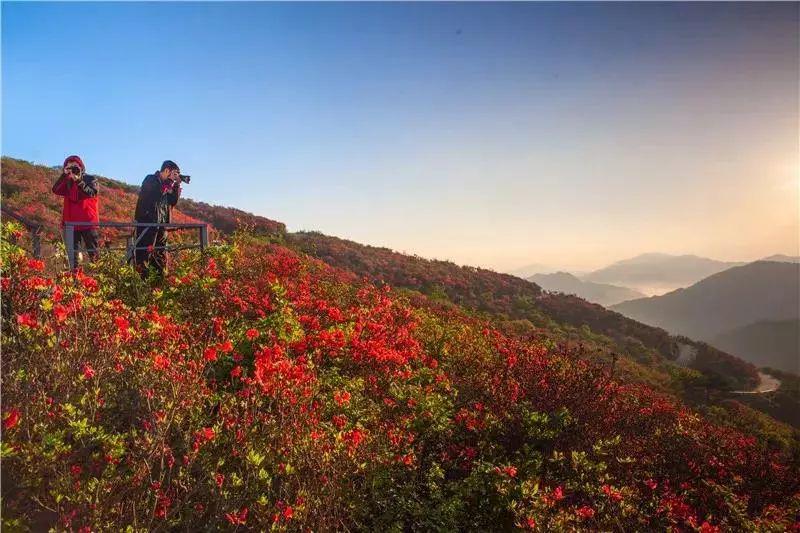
(150,252)
(89,237)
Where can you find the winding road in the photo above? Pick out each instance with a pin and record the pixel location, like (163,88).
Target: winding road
(766,383)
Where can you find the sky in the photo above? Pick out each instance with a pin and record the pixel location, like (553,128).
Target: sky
(565,134)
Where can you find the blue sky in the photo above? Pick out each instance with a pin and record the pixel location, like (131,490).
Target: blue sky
(492,134)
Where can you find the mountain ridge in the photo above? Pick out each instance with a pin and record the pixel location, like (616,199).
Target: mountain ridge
(599,293)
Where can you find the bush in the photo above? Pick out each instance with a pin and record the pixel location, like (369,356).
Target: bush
(258,388)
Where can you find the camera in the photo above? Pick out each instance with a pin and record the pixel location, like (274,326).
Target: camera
(185,178)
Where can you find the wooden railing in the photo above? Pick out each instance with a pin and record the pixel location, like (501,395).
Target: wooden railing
(133,245)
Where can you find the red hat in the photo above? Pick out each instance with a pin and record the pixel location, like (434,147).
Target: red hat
(75,159)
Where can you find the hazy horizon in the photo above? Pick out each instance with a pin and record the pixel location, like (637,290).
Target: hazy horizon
(499,135)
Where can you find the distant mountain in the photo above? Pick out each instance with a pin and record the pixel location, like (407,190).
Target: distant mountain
(527,271)
(775,344)
(599,293)
(658,273)
(735,298)
(782,258)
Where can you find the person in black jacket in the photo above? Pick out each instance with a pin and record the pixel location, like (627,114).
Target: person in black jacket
(159,193)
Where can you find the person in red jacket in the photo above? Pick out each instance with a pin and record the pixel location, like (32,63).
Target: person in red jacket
(80,203)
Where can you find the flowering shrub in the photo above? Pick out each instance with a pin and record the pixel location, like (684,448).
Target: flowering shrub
(258,388)
(505,295)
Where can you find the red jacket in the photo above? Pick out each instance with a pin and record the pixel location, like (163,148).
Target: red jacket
(80,200)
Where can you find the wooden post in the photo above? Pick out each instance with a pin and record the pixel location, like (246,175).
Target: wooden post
(69,241)
(37,244)
(203,237)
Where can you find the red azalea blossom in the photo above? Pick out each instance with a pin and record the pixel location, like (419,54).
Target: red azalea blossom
(160,362)
(341,398)
(36,264)
(251,334)
(210,354)
(122,323)
(11,419)
(585,512)
(339,421)
(611,492)
(88,371)
(28,320)
(60,312)
(225,347)
(237,518)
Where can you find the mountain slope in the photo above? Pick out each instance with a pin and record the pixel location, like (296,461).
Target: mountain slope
(26,190)
(599,293)
(510,297)
(658,273)
(523,303)
(737,297)
(265,390)
(774,344)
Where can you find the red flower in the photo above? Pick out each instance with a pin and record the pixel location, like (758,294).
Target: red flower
(35,264)
(219,479)
(160,362)
(341,397)
(28,320)
(11,419)
(558,494)
(585,512)
(510,471)
(88,372)
(611,492)
(339,421)
(210,354)
(60,312)
(121,323)
(288,512)
(353,438)
(225,347)
(237,518)
(251,334)
(205,434)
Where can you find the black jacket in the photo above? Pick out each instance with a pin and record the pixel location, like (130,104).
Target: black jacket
(156,200)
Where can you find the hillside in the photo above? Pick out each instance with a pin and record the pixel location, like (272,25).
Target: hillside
(599,293)
(26,190)
(774,344)
(658,273)
(307,399)
(737,297)
(560,316)
(513,298)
